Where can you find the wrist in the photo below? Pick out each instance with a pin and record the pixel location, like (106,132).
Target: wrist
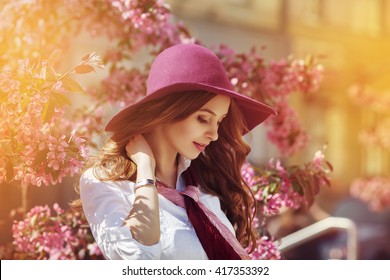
(146,162)
(145,183)
(145,171)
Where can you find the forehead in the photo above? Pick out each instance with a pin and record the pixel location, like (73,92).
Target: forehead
(219,104)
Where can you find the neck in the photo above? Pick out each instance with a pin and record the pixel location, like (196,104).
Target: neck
(166,158)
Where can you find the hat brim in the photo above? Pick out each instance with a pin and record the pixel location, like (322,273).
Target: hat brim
(254,112)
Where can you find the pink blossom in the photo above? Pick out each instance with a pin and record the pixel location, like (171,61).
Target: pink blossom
(266,249)
(318,158)
(272,83)
(374,191)
(273,184)
(7,84)
(34,143)
(286,133)
(124,87)
(60,236)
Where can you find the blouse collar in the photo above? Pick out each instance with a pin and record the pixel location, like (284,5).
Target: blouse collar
(183,164)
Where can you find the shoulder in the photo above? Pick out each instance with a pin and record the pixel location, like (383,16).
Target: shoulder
(90,179)
(93,189)
(88,175)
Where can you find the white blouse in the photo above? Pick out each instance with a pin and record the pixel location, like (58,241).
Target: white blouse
(107,204)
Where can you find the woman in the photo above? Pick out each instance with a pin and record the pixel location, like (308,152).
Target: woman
(167,185)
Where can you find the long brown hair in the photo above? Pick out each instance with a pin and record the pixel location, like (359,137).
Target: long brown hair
(218,170)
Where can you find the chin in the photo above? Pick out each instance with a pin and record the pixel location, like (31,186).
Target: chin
(192,156)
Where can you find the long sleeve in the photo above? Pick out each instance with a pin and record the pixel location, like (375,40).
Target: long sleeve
(106,206)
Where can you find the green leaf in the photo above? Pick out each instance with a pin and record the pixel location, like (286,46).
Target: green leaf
(329,166)
(297,188)
(51,75)
(272,187)
(61,100)
(84,69)
(71,85)
(87,56)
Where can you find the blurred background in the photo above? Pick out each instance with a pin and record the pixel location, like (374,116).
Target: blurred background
(351,39)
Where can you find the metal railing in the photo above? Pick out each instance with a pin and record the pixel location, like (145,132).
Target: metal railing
(310,232)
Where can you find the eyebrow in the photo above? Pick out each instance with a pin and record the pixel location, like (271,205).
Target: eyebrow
(209,111)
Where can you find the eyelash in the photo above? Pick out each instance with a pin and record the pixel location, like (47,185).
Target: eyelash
(203,121)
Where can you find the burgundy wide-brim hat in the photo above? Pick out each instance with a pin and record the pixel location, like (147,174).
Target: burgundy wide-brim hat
(191,67)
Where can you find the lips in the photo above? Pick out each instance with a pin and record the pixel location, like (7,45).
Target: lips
(200,147)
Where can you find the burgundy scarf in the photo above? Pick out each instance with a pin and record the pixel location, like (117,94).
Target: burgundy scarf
(217,240)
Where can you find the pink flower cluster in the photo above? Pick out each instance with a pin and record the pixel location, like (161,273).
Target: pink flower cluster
(86,121)
(60,236)
(365,96)
(285,130)
(273,191)
(374,191)
(272,83)
(135,23)
(35,149)
(276,186)
(267,249)
(286,76)
(124,86)
(377,133)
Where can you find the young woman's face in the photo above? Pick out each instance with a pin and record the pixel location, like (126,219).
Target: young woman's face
(191,136)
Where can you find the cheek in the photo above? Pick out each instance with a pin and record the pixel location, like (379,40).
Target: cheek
(179,132)
(186,130)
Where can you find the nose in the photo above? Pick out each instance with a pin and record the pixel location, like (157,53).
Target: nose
(212,133)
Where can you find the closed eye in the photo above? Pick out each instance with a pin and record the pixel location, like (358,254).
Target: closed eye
(202,120)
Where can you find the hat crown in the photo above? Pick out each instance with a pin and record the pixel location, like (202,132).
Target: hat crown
(187,64)
(191,67)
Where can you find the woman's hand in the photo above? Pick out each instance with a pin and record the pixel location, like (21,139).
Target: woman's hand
(139,151)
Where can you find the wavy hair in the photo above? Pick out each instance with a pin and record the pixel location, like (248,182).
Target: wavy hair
(218,170)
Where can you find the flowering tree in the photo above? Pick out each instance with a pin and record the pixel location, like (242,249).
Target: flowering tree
(277,187)
(37,146)
(43,142)
(273,83)
(62,235)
